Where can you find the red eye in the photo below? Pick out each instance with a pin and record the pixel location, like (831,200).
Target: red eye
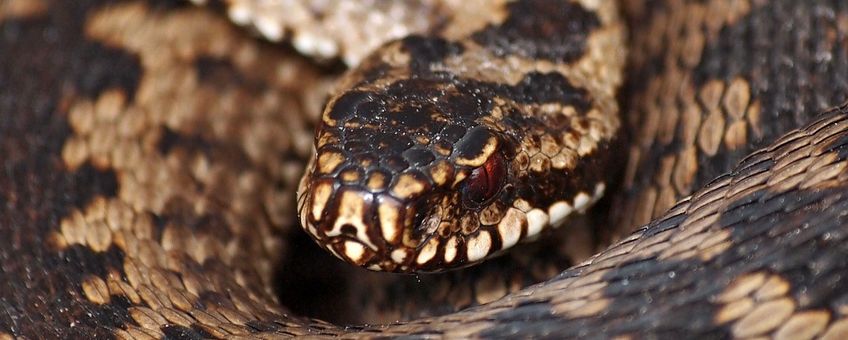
(485,182)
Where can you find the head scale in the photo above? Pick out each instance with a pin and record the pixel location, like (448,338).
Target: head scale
(424,166)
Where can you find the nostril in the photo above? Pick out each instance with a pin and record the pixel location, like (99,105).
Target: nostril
(348,230)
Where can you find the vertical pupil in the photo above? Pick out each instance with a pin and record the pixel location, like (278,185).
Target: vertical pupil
(485,181)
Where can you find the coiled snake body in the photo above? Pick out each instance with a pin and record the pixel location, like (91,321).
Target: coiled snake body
(151,153)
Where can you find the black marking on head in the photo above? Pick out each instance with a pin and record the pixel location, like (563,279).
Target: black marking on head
(418,157)
(440,107)
(473,143)
(376,124)
(538,87)
(355,104)
(541,29)
(395,163)
(375,70)
(426,51)
(452,133)
(413,107)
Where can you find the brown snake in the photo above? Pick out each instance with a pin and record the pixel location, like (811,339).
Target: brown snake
(151,154)
(439,151)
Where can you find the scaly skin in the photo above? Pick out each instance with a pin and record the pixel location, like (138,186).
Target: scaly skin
(440,152)
(140,200)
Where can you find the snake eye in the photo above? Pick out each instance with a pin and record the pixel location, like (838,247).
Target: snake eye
(485,181)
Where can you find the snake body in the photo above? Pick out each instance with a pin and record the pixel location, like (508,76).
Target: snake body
(147,186)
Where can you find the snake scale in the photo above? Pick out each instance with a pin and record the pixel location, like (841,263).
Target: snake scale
(151,153)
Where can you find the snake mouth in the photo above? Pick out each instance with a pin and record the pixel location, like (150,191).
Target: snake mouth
(425,233)
(376,231)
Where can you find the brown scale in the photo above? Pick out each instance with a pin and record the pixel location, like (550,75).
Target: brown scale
(141,202)
(712,102)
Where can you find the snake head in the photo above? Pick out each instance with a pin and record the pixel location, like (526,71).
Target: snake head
(395,172)
(436,180)
(420,170)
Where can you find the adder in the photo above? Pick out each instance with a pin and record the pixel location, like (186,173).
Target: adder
(152,157)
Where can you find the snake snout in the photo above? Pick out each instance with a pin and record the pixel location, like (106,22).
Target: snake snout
(365,212)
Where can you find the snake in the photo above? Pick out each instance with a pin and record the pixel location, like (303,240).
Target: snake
(432,160)
(154,155)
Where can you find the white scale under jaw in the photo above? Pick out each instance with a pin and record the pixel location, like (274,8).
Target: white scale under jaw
(478,246)
(558,212)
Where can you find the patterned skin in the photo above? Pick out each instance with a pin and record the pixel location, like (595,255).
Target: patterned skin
(428,160)
(150,154)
